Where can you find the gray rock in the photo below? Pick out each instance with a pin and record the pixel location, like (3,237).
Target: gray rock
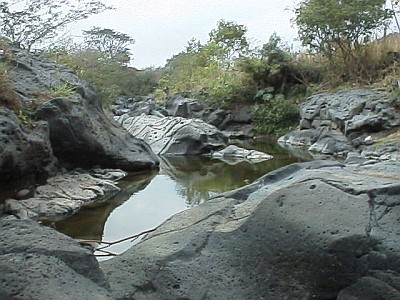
(175,135)
(353,113)
(80,132)
(354,158)
(37,262)
(64,195)
(179,106)
(331,142)
(137,106)
(301,137)
(305,124)
(371,288)
(22,152)
(237,154)
(304,231)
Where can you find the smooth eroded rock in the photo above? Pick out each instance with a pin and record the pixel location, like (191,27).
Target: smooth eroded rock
(37,262)
(306,231)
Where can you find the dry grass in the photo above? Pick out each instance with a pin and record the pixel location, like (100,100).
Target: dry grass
(377,63)
(8,98)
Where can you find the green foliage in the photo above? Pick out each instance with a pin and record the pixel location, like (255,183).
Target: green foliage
(339,30)
(109,77)
(112,43)
(38,21)
(63,90)
(208,71)
(276,115)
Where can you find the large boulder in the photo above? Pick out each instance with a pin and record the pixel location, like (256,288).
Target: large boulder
(80,132)
(178,105)
(344,120)
(175,135)
(64,195)
(307,231)
(136,106)
(37,262)
(234,154)
(23,152)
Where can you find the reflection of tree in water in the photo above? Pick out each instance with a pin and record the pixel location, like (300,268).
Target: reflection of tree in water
(193,196)
(200,178)
(89,222)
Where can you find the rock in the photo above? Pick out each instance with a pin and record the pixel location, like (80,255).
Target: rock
(64,195)
(300,137)
(175,135)
(23,153)
(306,231)
(235,153)
(37,262)
(331,142)
(178,105)
(349,115)
(80,132)
(354,158)
(137,106)
(379,285)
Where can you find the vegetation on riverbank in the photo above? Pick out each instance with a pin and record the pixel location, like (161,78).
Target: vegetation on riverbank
(342,50)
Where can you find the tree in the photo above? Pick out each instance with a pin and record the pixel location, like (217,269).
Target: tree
(114,44)
(228,41)
(338,29)
(28,23)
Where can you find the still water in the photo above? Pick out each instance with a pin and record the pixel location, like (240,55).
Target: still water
(147,200)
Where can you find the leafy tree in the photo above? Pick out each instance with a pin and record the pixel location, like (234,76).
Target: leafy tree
(114,44)
(228,42)
(338,29)
(330,25)
(28,23)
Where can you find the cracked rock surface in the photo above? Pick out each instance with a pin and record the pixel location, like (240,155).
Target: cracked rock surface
(175,135)
(316,230)
(64,195)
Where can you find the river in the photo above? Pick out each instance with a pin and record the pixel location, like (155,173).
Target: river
(147,200)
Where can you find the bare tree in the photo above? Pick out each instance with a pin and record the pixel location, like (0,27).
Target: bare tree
(31,22)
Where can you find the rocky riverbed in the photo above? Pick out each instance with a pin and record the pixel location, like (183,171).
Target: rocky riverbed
(316,230)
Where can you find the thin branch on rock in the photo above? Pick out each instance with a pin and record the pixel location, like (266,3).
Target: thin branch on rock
(109,244)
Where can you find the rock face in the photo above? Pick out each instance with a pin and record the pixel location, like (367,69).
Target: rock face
(175,135)
(336,123)
(317,230)
(233,153)
(22,152)
(37,262)
(66,194)
(234,122)
(136,106)
(80,132)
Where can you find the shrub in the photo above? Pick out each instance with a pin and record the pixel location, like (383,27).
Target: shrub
(275,116)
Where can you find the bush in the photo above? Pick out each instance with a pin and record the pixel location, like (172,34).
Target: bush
(275,116)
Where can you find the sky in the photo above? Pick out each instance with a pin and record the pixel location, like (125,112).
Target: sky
(162,28)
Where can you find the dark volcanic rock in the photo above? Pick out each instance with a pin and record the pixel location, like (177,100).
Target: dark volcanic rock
(37,262)
(22,152)
(80,132)
(345,119)
(306,231)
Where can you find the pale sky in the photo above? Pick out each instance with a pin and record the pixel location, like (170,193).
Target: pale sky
(162,28)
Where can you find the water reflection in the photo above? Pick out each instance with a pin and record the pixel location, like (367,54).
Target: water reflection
(89,223)
(148,200)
